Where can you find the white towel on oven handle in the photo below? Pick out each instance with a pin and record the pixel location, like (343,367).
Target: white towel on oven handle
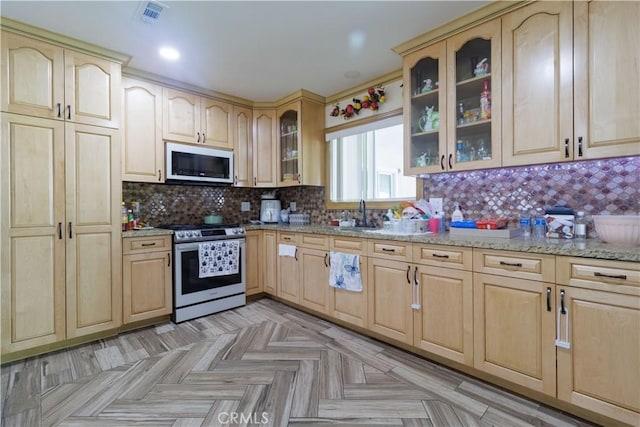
(219,258)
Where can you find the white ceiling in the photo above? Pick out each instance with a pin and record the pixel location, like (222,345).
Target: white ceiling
(257,50)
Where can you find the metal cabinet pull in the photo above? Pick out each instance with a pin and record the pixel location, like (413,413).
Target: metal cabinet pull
(70,231)
(60,230)
(59,110)
(442,162)
(388,250)
(611,276)
(439,256)
(450,161)
(579,146)
(563,309)
(255,181)
(295,255)
(198,137)
(286,238)
(69,110)
(203,138)
(408,271)
(235,180)
(148,244)
(566,147)
(548,299)
(159,174)
(169,260)
(511,264)
(325,260)
(415,276)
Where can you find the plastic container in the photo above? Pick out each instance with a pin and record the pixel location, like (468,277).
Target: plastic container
(525,224)
(580,226)
(457,214)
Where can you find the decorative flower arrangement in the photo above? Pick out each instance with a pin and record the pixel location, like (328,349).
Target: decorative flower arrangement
(373,98)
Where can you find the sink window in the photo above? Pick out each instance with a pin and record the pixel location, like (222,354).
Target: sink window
(366,162)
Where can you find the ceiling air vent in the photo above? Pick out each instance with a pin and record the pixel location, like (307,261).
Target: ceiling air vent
(149,11)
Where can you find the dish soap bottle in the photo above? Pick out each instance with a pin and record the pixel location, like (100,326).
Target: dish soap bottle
(457,214)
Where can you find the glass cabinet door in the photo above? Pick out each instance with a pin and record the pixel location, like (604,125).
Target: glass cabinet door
(474,98)
(289,148)
(425,142)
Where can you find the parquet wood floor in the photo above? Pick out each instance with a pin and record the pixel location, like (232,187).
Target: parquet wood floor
(262,364)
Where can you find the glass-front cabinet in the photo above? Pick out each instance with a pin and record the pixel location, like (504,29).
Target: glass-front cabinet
(289,171)
(473,102)
(451,119)
(424,109)
(301,141)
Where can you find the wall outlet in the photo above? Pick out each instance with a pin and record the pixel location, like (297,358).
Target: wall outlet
(436,203)
(292,206)
(245,206)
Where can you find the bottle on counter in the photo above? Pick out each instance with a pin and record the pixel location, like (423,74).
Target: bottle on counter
(130,220)
(525,224)
(124,217)
(580,226)
(539,225)
(457,214)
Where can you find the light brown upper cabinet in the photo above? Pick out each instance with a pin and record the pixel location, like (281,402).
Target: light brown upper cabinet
(242,124)
(195,119)
(568,72)
(142,145)
(48,81)
(452,111)
(264,147)
(301,143)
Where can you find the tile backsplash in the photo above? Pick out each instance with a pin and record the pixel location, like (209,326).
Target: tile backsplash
(595,186)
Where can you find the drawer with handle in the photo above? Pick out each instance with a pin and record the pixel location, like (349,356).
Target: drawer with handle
(612,276)
(390,249)
(443,256)
(288,238)
(133,245)
(515,264)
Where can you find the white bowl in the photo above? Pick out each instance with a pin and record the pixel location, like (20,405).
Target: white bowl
(619,229)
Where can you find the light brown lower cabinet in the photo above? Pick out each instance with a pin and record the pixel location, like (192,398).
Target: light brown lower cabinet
(599,323)
(390,297)
(351,306)
(288,283)
(314,279)
(253,279)
(146,278)
(514,330)
(269,261)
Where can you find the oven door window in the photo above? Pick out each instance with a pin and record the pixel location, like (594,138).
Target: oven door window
(199,165)
(190,271)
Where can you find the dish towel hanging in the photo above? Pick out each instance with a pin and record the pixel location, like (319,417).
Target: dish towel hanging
(344,272)
(286,250)
(219,258)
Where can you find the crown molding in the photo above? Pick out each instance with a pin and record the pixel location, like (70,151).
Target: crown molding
(27,30)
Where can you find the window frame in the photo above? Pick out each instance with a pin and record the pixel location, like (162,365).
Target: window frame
(372,204)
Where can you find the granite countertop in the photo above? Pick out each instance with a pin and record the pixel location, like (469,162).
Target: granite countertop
(590,248)
(147,232)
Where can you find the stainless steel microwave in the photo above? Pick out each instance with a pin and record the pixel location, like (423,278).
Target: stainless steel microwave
(198,164)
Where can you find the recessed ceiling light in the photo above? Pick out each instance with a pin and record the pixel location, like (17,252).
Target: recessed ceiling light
(353,74)
(169,53)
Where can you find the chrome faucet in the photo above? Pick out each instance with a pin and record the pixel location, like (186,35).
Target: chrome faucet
(363,208)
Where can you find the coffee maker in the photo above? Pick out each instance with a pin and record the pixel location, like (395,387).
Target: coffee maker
(269,208)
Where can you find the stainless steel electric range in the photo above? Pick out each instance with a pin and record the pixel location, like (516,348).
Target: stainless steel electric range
(200,287)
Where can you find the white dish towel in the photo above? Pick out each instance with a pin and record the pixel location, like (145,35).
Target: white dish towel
(345,272)
(286,250)
(219,258)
